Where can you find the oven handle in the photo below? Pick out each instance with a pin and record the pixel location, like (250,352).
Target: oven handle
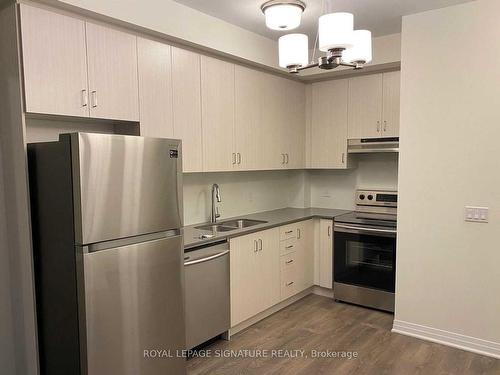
(364,229)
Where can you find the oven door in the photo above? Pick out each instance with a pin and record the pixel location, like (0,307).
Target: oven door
(365,256)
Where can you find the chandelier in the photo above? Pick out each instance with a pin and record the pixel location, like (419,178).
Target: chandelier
(336,36)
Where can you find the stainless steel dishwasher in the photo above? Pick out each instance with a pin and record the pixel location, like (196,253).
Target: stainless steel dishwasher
(206,273)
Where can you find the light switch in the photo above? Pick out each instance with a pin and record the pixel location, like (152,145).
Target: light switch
(476,214)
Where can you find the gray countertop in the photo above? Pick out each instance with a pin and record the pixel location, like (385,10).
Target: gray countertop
(273,219)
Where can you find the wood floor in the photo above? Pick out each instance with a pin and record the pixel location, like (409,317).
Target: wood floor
(319,323)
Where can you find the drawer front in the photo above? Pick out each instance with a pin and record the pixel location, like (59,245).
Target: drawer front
(288,231)
(289,282)
(288,261)
(288,246)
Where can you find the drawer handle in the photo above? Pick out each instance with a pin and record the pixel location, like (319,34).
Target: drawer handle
(298,234)
(289,261)
(288,247)
(289,232)
(290,283)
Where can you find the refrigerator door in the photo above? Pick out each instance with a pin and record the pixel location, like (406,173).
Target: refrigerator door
(125,186)
(134,305)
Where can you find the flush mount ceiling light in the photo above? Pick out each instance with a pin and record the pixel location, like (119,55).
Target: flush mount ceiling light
(343,45)
(283,14)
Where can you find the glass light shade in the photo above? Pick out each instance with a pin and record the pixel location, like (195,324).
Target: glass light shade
(361,51)
(335,31)
(293,50)
(283,16)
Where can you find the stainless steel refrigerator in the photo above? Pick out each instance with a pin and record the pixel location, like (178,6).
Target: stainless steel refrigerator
(108,256)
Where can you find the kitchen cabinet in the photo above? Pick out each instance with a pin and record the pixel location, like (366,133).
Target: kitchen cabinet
(328,127)
(391,104)
(305,256)
(324,261)
(374,106)
(249,129)
(255,274)
(186,107)
(155,88)
(112,73)
(293,126)
(54,63)
(217,108)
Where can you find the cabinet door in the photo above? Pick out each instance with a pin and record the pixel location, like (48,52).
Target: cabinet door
(273,147)
(326,253)
(54,62)
(365,107)
(293,128)
(269,268)
(390,114)
(155,88)
(305,255)
(217,108)
(186,107)
(255,276)
(112,67)
(248,129)
(329,124)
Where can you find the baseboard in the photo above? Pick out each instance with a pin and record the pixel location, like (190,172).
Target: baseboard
(469,343)
(320,291)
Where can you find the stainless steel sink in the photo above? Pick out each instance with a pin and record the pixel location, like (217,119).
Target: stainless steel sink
(226,226)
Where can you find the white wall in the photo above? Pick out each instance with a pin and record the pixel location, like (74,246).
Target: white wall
(335,188)
(448,275)
(241,192)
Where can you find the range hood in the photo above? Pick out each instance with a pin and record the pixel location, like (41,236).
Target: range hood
(372,145)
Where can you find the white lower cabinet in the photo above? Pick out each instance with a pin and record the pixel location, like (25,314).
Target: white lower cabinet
(268,267)
(255,277)
(324,253)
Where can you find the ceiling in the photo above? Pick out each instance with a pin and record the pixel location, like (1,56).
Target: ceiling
(382,17)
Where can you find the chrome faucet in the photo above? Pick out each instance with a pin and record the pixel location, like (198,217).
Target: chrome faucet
(215,196)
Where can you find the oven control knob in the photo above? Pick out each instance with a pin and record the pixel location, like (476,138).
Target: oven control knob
(370,197)
(362,196)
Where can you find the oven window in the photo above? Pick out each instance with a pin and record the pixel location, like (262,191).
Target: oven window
(363,260)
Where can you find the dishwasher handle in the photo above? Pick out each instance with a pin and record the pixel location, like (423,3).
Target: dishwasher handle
(206,259)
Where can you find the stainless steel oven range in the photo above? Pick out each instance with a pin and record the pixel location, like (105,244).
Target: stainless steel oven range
(364,267)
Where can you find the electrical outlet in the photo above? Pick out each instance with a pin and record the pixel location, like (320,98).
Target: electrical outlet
(476,214)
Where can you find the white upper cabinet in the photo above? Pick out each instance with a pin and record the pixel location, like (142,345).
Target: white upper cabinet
(217,108)
(293,127)
(112,70)
(328,128)
(155,88)
(55,63)
(390,112)
(374,106)
(365,106)
(186,107)
(248,127)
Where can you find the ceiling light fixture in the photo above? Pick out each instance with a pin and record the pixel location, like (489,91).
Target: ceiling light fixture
(283,14)
(343,45)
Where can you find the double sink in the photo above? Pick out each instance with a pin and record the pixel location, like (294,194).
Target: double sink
(227,226)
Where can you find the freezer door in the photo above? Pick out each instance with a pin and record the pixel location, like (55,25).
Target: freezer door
(134,305)
(125,186)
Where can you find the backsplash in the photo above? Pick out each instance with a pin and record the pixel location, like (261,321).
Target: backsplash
(241,192)
(335,188)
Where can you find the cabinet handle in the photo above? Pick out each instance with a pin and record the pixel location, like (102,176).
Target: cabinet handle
(298,234)
(385,125)
(239,158)
(283,156)
(329,231)
(233,158)
(255,246)
(288,247)
(289,231)
(93,98)
(290,283)
(343,158)
(260,244)
(289,261)
(85,98)
(378,126)
(287,158)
